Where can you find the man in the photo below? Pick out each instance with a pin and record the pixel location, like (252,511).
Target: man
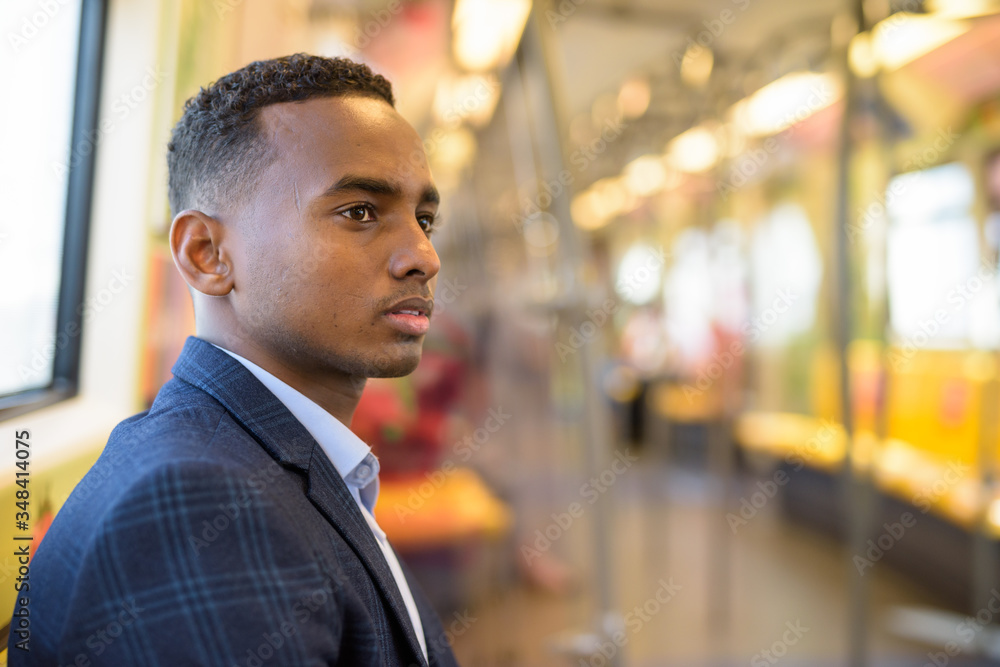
(231,523)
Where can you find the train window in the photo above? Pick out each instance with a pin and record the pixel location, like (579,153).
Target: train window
(730,308)
(640,274)
(786,270)
(942,292)
(52,62)
(687,295)
(705,288)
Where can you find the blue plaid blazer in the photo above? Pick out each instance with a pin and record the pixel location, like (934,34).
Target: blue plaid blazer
(213,530)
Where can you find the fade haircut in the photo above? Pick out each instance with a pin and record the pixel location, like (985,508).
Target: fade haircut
(217,152)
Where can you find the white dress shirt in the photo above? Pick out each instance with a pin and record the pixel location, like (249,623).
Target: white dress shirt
(355,462)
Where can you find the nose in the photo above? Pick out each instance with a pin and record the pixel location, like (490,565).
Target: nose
(414,255)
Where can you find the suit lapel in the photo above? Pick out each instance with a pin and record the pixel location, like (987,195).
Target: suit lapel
(247,400)
(439,652)
(287,441)
(329,493)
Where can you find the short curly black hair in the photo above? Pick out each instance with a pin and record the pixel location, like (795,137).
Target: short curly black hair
(217,152)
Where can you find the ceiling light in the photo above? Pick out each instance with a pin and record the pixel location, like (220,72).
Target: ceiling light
(862,57)
(469,98)
(585,213)
(452,150)
(633,97)
(611,197)
(785,102)
(903,37)
(693,151)
(487,32)
(961,9)
(645,176)
(696,67)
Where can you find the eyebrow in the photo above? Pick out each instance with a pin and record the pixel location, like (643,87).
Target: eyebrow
(379,186)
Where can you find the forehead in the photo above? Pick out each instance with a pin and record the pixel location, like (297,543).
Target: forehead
(323,138)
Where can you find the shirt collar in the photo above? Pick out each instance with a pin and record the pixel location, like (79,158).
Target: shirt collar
(344,449)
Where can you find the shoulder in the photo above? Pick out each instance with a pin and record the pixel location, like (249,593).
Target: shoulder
(184,431)
(173,539)
(191,501)
(193,544)
(162,475)
(196,542)
(182,417)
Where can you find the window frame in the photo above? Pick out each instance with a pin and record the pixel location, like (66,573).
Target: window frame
(76,220)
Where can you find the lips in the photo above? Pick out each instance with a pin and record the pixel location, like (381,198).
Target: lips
(410,316)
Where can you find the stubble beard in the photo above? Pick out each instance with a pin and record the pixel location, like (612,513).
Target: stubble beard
(387,361)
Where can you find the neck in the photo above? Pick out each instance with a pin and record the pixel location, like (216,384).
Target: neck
(337,393)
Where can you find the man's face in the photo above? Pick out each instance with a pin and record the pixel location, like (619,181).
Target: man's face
(334,238)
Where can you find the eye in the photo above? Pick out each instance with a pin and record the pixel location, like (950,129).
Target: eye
(427,222)
(360,213)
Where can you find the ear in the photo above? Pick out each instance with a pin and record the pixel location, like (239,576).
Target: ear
(196,242)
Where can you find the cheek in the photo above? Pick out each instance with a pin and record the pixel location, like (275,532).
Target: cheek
(310,268)
(338,295)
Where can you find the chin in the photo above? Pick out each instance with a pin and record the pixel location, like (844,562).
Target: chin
(393,366)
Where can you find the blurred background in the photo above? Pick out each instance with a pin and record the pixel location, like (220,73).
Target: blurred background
(713,373)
